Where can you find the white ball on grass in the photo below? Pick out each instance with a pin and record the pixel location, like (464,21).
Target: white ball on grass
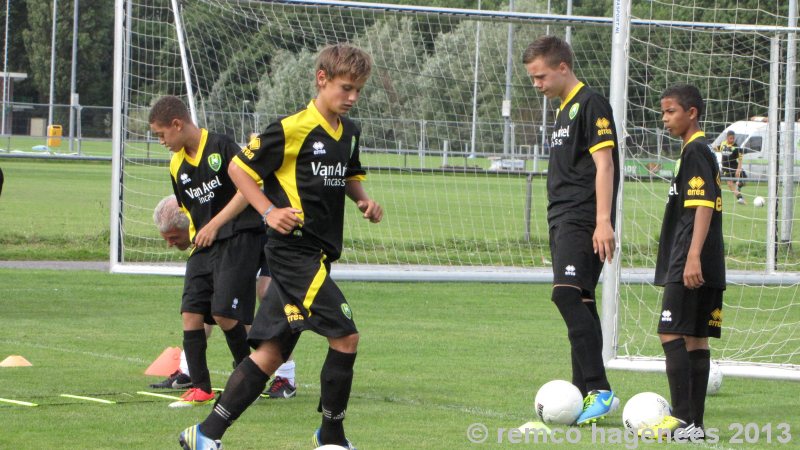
(645,409)
(714,379)
(558,402)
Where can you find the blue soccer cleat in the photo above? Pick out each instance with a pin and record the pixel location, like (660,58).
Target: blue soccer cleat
(596,405)
(317,443)
(192,439)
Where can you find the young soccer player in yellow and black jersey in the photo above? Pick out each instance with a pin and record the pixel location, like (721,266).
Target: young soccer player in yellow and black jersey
(226,232)
(690,264)
(731,163)
(582,184)
(308,162)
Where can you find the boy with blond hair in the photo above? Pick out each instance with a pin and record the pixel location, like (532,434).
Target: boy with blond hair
(308,163)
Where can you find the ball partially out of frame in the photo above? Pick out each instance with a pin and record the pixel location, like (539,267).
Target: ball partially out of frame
(714,379)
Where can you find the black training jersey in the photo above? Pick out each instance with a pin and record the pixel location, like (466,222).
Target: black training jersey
(584,124)
(695,183)
(304,164)
(731,155)
(202,186)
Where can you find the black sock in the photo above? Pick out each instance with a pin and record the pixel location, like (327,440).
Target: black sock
(582,331)
(592,306)
(237,342)
(336,380)
(243,388)
(194,345)
(679,370)
(701,365)
(577,374)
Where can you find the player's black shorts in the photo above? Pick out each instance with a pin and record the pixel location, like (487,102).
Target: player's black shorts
(691,312)
(302,296)
(574,261)
(220,280)
(728,171)
(263,270)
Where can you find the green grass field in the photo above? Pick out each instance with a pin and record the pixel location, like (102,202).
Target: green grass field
(60,210)
(433,359)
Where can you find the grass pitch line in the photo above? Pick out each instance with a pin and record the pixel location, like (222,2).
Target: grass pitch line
(90,399)
(17,402)
(154,394)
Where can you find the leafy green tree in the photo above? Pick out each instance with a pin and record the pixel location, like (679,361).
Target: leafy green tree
(95,45)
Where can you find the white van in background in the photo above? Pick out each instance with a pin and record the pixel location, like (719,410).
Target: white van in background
(752,137)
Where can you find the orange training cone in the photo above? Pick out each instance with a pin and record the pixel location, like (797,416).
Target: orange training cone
(15,361)
(166,364)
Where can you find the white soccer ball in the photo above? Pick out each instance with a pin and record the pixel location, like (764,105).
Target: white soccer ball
(759,201)
(714,379)
(558,402)
(331,447)
(645,409)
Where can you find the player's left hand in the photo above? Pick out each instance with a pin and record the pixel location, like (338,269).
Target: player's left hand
(206,236)
(693,273)
(603,242)
(372,210)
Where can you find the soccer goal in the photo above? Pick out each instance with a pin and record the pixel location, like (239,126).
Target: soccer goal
(455,140)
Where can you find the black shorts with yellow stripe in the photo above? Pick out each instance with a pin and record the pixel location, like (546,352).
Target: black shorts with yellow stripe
(302,296)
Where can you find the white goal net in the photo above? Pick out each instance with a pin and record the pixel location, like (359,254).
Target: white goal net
(454,138)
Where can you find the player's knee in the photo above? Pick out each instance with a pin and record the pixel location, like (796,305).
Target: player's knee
(579,321)
(345,344)
(226,323)
(192,321)
(267,357)
(669,337)
(696,343)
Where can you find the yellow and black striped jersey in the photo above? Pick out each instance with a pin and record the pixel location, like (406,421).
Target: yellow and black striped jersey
(304,163)
(731,155)
(203,188)
(695,183)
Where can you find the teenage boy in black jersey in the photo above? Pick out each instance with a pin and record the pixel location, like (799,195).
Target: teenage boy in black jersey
(308,162)
(691,263)
(226,232)
(582,183)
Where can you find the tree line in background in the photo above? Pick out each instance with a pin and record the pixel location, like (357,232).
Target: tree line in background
(433,57)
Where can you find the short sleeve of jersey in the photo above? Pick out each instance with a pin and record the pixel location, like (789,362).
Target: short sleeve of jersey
(354,170)
(264,154)
(697,178)
(599,126)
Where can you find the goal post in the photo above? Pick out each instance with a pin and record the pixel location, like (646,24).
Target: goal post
(459,205)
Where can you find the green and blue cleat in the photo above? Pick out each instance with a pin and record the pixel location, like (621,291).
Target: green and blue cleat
(595,406)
